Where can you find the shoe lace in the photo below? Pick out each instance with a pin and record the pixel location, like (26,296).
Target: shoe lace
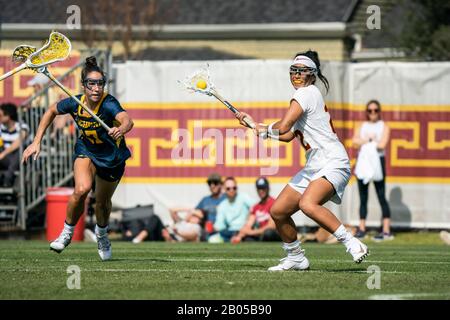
(103,243)
(64,237)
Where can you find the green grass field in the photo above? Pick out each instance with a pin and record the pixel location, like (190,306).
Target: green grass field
(413,266)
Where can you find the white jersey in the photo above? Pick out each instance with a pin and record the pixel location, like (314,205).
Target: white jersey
(315,131)
(373,128)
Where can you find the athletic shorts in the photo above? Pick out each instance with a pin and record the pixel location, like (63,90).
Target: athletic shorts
(113,174)
(339,178)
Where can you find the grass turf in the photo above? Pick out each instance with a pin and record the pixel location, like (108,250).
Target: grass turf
(412,266)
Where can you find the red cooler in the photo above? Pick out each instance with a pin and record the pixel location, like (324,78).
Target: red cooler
(57,199)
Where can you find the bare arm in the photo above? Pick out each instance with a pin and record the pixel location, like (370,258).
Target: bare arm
(247,227)
(15,145)
(283,126)
(287,137)
(126,124)
(384,139)
(294,112)
(35,147)
(357,140)
(259,231)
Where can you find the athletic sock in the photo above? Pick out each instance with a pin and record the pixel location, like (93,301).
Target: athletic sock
(293,249)
(342,235)
(99,231)
(69,228)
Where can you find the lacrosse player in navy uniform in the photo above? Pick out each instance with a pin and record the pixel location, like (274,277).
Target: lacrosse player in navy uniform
(99,155)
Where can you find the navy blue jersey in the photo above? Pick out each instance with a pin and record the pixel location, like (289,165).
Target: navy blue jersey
(94,141)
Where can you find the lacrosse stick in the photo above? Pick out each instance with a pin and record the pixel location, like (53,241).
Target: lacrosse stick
(200,82)
(57,48)
(23,53)
(86,108)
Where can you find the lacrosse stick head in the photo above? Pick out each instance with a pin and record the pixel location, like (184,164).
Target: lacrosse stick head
(22,53)
(57,48)
(200,82)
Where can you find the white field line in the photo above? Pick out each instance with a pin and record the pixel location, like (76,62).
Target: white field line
(169,259)
(261,260)
(129,270)
(402,296)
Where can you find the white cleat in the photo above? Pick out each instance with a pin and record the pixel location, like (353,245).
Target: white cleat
(358,250)
(104,247)
(287,264)
(61,242)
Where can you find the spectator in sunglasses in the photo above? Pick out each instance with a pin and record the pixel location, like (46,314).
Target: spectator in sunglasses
(232,212)
(374,130)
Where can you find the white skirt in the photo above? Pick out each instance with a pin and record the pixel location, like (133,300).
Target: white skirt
(338,177)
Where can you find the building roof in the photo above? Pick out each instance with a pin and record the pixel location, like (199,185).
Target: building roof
(187,11)
(171,54)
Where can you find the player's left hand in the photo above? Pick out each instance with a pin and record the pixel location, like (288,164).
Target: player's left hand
(115,133)
(241,115)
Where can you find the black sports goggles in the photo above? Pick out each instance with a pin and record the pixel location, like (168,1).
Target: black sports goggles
(90,83)
(300,70)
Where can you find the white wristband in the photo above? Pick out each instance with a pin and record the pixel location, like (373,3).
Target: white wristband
(271,132)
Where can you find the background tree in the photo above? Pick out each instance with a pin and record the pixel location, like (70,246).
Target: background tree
(124,22)
(426,31)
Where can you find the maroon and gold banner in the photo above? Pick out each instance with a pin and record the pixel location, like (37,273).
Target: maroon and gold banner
(418,151)
(16,90)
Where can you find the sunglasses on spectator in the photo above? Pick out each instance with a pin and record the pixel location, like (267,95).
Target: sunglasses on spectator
(90,83)
(231,188)
(214,183)
(373,110)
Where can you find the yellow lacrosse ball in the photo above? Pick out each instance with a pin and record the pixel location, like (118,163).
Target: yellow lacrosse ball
(201,84)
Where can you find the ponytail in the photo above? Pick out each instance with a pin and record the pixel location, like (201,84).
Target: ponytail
(91,65)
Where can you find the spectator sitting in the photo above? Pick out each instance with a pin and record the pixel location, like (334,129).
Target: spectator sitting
(259,225)
(232,212)
(145,229)
(323,236)
(12,135)
(207,207)
(187,228)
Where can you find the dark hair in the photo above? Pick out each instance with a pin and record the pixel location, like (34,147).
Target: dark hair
(375,102)
(314,56)
(10,109)
(378,106)
(91,65)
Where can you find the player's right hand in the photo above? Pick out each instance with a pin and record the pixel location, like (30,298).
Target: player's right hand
(261,130)
(34,148)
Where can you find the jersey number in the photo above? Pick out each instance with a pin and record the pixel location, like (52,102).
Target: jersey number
(92,136)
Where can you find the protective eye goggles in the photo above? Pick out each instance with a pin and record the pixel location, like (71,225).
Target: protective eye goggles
(301,70)
(90,83)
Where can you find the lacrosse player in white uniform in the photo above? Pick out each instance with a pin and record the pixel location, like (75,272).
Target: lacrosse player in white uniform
(327,169)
